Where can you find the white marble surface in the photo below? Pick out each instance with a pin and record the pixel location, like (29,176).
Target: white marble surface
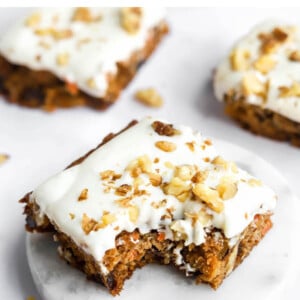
(41,144)
(258,277)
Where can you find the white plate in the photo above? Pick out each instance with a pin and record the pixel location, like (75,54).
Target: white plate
(263,275)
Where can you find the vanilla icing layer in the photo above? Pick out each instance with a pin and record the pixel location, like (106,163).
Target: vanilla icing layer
(96,192)
(272,60)
(83,52)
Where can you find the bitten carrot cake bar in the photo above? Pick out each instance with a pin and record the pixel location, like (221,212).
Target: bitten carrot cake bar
(260,81)
(63,57)
(155,192)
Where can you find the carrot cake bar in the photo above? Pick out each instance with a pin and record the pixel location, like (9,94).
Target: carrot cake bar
(154,192)
(260,81)
(63,57)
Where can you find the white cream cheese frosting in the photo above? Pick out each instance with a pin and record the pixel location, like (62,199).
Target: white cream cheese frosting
(79,48)
(175,183)
(264,69)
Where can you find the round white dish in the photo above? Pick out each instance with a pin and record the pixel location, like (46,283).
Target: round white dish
(263,275)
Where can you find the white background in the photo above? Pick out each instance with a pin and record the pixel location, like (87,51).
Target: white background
(41,144)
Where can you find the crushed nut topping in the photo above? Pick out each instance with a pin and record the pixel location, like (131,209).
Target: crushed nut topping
(149,97)
(88,224)
(55,34)
(109,175)
(264,64)
(123,190)
(185,172)
(131,19)
(292,91)
(133,213)
(124,202)
(191,146)
(83,195)
(33,20)
(164,129)
(209,196)
(72,216)
(165,146)
(228,165)
(251,85)
(270,42)
(227,188)
(254,182)
(62,59)
(240,60)
(199,177)
(140,165)
(155,179)
(83,14)
(3,158)
(295,56)
(178,188)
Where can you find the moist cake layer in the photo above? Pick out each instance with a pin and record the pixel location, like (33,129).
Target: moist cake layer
(79,45)
(152,176)
(263,69)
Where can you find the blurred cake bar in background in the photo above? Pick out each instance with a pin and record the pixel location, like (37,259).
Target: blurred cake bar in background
(259,81)
(64,57)
(154,192)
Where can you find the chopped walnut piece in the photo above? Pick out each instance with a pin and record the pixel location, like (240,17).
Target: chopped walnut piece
(228,165)
(209,196)
(254,182)
(270,42)
(295,56)
(264,64)
(55,34)
(124,202)
(109,175)
(123,189)
(33,20)
(106,219)
(140,165)
(227,188)
(191,146)
(133,213)
(30,298)
(178,188)
(165,146)
(240,59)
(178,230)
(164,129)
(62,59)
(83,195)
(83,14)
(3,158)
(208,142)
(149,97)
(88,224)
(155,179)
(72,216)
(131,19)
(292,91)
(199,177)
(185,172)
(251,85)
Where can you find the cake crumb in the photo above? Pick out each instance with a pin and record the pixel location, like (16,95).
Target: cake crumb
(149,97)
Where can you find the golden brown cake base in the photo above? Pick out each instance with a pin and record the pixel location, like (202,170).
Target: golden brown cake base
(42,89)
(263,121)
(209,262)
